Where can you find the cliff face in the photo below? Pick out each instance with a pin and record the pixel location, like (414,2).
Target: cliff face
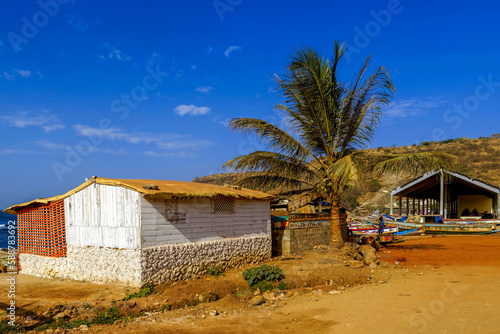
(480,159)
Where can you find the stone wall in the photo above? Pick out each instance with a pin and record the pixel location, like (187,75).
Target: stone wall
(153,265)
(91,264)
(289,241)
(181,261)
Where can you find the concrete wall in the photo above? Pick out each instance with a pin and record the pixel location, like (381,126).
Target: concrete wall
(479,202)
(289,241)
(166,222)
(103,216)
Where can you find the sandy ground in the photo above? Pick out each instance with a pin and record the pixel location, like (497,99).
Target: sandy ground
(442,285)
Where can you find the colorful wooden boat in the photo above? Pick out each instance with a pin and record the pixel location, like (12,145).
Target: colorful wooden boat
(459,229)
(372,230)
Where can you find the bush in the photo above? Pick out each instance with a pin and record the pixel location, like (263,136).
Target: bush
(263,273)
(143,292)
(108,317)
(374,186)
(216,271)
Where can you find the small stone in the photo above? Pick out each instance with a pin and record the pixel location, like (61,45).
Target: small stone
(257,300)
(213,313)
(289,294)
(334,292)
(83,328)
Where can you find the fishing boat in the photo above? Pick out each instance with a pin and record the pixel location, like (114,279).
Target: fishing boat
(460,229)
(371,229)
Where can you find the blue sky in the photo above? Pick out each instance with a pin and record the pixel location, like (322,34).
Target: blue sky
(129,89)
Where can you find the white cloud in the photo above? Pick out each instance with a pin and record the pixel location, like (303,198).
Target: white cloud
(154,154)
(231,49)
(23,73)
(191,110)
(8,76)
(204,89)
(153,59)
(114,53)
(162,141)
(413,107)
(44,119)
(209,50)
(49,145)
(76,22)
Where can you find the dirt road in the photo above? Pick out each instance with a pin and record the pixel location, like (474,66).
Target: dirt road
(442,285)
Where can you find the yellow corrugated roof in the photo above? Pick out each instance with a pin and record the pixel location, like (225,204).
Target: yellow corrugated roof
(166,189)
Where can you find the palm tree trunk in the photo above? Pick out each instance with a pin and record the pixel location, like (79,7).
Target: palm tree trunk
(339,228)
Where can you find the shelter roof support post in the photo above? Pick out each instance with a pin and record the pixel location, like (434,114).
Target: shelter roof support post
(441,195)
(407,206)
(392,205)
(498,206)
(400,205)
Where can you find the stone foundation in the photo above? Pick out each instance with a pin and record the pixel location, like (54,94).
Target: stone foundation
(181,261)
(91,264)
(289,241)
(153,265)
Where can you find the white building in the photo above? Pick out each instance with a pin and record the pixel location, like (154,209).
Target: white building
(134,232)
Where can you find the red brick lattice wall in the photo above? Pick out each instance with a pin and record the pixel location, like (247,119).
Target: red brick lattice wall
(41,230)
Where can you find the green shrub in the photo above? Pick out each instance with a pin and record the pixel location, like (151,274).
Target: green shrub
(262,273)
(107,317)
(143,292)
(283,286)
(166,307)
(216,271)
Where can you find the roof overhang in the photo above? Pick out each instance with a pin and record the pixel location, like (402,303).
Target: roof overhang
(429,178)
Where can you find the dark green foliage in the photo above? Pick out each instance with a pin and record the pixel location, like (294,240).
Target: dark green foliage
(166,307)
(263,286)
(143,292)
(374,185)
(350,196)
(107,317)
(210,297)
(263,273)
(216,271)
(283,286)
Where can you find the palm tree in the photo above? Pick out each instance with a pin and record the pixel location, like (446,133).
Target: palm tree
(330,122)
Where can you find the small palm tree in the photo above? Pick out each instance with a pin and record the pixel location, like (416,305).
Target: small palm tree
(330,123)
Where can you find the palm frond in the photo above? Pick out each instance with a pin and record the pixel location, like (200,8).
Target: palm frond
(265,182)
(415,162)
(273,164)
(272,136)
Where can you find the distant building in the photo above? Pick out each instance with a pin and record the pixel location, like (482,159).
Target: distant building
(449,194)
(134,232)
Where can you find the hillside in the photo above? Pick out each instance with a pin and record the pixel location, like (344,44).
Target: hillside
(480,159)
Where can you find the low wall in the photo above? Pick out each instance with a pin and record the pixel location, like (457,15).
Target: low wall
(153,265)
(91,264)
(294,240)
(180,261)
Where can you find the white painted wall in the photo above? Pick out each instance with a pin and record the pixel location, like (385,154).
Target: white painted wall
(182,221)
(104,216)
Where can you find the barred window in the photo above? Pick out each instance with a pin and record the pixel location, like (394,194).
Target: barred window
(222,204)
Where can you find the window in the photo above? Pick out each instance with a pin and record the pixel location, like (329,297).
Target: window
(222,205)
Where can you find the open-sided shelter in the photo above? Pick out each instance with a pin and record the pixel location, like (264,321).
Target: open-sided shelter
(447,193)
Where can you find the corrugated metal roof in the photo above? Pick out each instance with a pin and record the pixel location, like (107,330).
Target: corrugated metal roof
(163,189)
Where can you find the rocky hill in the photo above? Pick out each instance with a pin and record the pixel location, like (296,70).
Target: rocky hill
(480,159)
